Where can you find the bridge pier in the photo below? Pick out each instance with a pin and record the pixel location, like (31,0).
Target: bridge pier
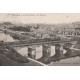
(46,50)
(31,52)
(57,50)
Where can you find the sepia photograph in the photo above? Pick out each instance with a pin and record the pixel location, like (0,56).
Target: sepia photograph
(39,39)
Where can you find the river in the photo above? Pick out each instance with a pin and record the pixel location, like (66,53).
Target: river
(6,37)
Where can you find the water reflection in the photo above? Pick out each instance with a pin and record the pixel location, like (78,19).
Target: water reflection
(6,37)
(22,50)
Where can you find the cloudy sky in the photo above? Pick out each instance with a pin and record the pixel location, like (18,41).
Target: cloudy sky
(40,18)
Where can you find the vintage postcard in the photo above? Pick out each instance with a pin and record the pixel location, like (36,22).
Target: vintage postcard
(39,39)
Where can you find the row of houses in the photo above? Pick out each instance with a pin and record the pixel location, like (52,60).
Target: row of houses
(69,31)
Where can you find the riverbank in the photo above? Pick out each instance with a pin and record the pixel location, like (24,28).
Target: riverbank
(5,61)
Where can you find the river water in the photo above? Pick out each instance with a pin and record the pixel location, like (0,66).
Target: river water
(6,37)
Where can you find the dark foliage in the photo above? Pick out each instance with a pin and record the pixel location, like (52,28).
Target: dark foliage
(21,28)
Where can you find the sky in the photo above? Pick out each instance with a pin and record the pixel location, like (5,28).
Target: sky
(52,18)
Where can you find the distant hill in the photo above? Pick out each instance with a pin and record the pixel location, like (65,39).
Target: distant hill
(7,23)
(36,25)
